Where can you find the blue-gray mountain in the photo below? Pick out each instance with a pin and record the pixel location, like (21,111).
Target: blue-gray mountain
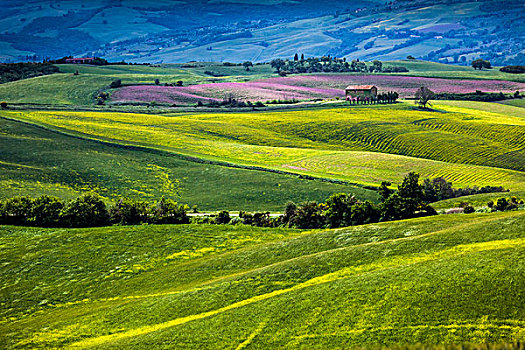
(239,30)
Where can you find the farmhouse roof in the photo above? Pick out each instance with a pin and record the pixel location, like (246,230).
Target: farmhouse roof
(360,87)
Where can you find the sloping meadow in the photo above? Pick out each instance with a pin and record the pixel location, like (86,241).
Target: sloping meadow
(437,280)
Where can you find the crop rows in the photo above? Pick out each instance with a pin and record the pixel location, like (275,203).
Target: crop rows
(277,139)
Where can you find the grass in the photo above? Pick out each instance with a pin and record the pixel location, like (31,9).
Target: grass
(420,68)
(449,279)
(364,144)
(516,103)
(36,161)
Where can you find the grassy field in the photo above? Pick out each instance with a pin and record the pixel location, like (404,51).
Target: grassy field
(449,279)
(516,103)
(420,68)
(35,161)
(364,144)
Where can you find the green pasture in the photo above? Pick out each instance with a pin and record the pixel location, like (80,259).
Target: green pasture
(516,103)
(366,145)
(35,161)
(428,69)
(450,279)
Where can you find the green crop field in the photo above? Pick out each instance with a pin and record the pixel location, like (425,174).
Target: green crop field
(420,68)
(36,161)
(364,144)
(449,279)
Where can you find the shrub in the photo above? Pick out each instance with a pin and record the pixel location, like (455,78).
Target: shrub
(16,211)
(513,69)
(157,82)
(3,104)
(115,84)
(469,209)
(309,216)
(85,211)
(129,212)
(339,212)
(223,218)
(46,211)
(167,211)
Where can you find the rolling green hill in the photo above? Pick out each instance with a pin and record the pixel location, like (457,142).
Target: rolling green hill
(36,161)
(449,279)
(365,145)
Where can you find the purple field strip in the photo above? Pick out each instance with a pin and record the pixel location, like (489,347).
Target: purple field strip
(405,86)
(160,94)
(305,87)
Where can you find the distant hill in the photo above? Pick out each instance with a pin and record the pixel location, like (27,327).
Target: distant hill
(167,31)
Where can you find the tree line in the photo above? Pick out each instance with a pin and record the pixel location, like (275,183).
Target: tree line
(18,71)
(411,199)
(328,64)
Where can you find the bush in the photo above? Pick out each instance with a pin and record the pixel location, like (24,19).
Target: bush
(167,211)
(3,104)
(157,82)
(16,211)
(502,204)
(339,212)
(85,211)
(469,209)
(309,216)
(513,69)
(129,212)
(115,84)
(223,218)
(46,211)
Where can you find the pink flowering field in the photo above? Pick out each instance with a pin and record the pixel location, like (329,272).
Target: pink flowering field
(305,87)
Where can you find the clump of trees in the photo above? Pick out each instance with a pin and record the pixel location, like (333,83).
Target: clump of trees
(88,211)
(480,64)
(477,96)
(438,189)
(504,204)
(513,69)
(346,210)
(327,64)
(17,71)
(97,61)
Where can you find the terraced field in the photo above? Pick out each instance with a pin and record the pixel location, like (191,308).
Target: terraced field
(449,279)
(467,146)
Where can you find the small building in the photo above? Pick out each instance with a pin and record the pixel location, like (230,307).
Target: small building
(82,60)
(362,91)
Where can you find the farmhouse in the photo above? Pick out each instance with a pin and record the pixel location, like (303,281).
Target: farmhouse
(82,60)
(361,91)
